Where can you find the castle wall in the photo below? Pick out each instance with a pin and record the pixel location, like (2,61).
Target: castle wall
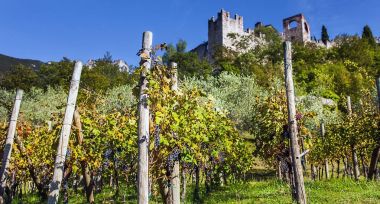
(220,28)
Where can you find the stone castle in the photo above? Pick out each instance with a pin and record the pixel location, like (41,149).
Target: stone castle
(295,29)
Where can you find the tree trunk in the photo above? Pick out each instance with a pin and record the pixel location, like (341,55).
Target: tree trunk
(338,168)
(143,124)
(164,190)
(296,162)
(376,151)
(88,182)
(196,189)
(279,173)
(346,171)
(116,176)
(9,143)
(59,164)
(364,167)
(373,164)
(355,163)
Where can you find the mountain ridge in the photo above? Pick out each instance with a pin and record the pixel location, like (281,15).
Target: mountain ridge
(7,62)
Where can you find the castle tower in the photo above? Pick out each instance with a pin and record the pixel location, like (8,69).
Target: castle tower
(218,30)
(296,29)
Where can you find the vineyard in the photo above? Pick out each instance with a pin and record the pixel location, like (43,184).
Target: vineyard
(298,117)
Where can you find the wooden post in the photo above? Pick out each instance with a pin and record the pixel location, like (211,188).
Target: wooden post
(59,164)
(183,193)
(313,173)
(9,143)
(376,152)
(349,109)
(353,147)
(326,161)
(295,152)
(175,180)
(143,125)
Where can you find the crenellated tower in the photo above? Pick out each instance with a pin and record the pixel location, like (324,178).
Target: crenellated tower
(219,28)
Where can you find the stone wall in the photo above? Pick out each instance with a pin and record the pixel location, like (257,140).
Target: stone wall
(220,28)
(295,29)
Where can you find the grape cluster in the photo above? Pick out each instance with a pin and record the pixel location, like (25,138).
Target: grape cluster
(68,153)
(157,131)
(108,154)
(173,156)
(299,116)
(187,165)
(221,156)
(285,132)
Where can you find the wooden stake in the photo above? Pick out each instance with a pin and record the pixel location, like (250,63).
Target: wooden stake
(9,142)
(295,152)
(143,125)
(175,180)
(353,147)
(326,161)
(59,164)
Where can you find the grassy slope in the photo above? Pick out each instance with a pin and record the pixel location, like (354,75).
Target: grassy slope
(270,191)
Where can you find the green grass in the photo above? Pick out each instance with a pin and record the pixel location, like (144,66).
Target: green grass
(334,191)
(273,191)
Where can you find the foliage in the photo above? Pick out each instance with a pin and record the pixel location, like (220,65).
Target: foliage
(324,35)
(188,62)
(368,36)
(20,76)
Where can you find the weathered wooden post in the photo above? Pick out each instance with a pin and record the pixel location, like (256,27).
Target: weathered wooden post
(183,193)
(353,147)
(143,125)
(175,180)
(9,142)
(326,161)
(59,164)
(313,172)
(294,146)
(376,151)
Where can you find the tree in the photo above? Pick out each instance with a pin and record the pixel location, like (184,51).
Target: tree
(181,46)
(188,62)
(190,65)
(324,36)
(20,76)
(56,74)
(368,36)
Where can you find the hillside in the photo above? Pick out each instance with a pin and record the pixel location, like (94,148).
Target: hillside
(6,62)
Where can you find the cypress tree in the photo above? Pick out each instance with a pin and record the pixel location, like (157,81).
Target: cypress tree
(325,36)
(368,36)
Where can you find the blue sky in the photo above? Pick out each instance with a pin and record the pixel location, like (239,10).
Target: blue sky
(85,29)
